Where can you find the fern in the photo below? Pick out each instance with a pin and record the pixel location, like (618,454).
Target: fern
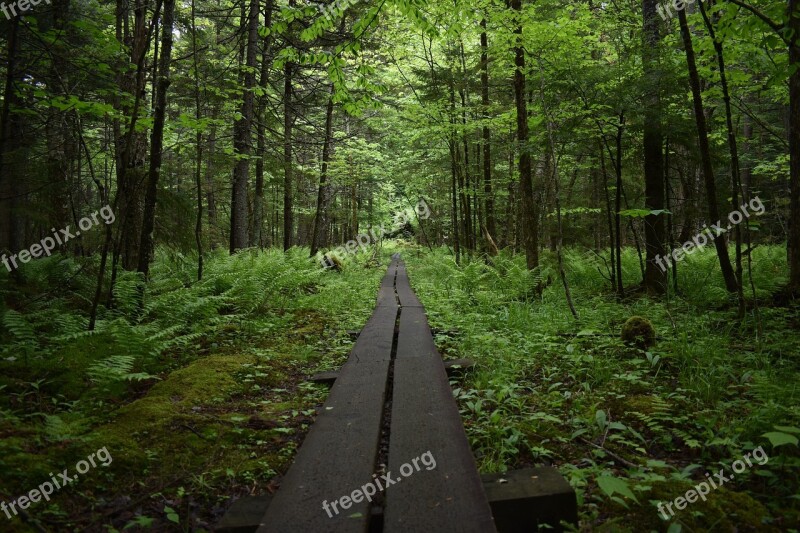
(19,326)
(115,368)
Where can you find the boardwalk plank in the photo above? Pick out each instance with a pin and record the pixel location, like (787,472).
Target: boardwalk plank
(338,455)
(425,418)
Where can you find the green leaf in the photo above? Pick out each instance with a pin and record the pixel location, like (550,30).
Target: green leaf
(787,429)
(778,438)
(172,516)
(600,418)
(613,485)
(641,213)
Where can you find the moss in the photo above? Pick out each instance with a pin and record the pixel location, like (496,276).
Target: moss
(723,510)
(646,404)
(638,331)
(165,421)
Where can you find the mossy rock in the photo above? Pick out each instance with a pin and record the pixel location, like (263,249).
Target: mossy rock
(638,331)
(723,510)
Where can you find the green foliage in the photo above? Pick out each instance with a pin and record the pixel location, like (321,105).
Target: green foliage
(547,389)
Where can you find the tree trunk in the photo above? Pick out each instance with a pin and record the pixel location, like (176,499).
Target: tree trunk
(242,138)
(261,144)
(705,156)
(10,133)
(530,216)
(288,226)
(487,148)
(131,147)
(322,193)
(198,169)
(794,146)
(735,180)
(157,140)
(655,279)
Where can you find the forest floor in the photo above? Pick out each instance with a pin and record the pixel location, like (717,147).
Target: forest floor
(201,396)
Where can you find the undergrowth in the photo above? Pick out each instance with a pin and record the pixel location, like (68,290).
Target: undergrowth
(197,389)
(628,427)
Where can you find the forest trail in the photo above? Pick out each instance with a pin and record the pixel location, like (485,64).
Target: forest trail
(390,413)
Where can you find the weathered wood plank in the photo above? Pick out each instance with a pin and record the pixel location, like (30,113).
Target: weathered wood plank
(405,293)
(523,500)
(425,417)
(339,453)
(452,366)
(386,294)
(375,341)
(337,456)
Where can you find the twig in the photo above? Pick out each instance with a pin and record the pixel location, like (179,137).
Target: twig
(612,454)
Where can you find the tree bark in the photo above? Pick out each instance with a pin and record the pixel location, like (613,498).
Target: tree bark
(794,146)
(530,215)
(131,147)
(10,132)
(198,169)
(655,279)
(705,156)
(156,140)
(487,147)
(288,119)
(320,220)
(242,142)
(735,178)
(261,144)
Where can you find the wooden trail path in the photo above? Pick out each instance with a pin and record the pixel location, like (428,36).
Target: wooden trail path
(390,404)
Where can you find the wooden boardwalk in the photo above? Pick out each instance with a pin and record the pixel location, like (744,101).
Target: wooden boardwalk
(393,386)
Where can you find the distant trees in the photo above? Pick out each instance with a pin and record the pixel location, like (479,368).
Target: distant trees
(321,120)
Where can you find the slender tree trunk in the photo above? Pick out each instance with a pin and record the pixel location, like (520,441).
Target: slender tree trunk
(530,214)
(705,155)
(132,146)
(198,227)
(288,120)
(551,154)
(793,23)
(512,210)
(211,197)
(451,143)
(618,205)
(146,247)
(322,193)
(487,146)
(261,144)
(735,178)
(243,137)
(655,279)
(610,221)
(10,132)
